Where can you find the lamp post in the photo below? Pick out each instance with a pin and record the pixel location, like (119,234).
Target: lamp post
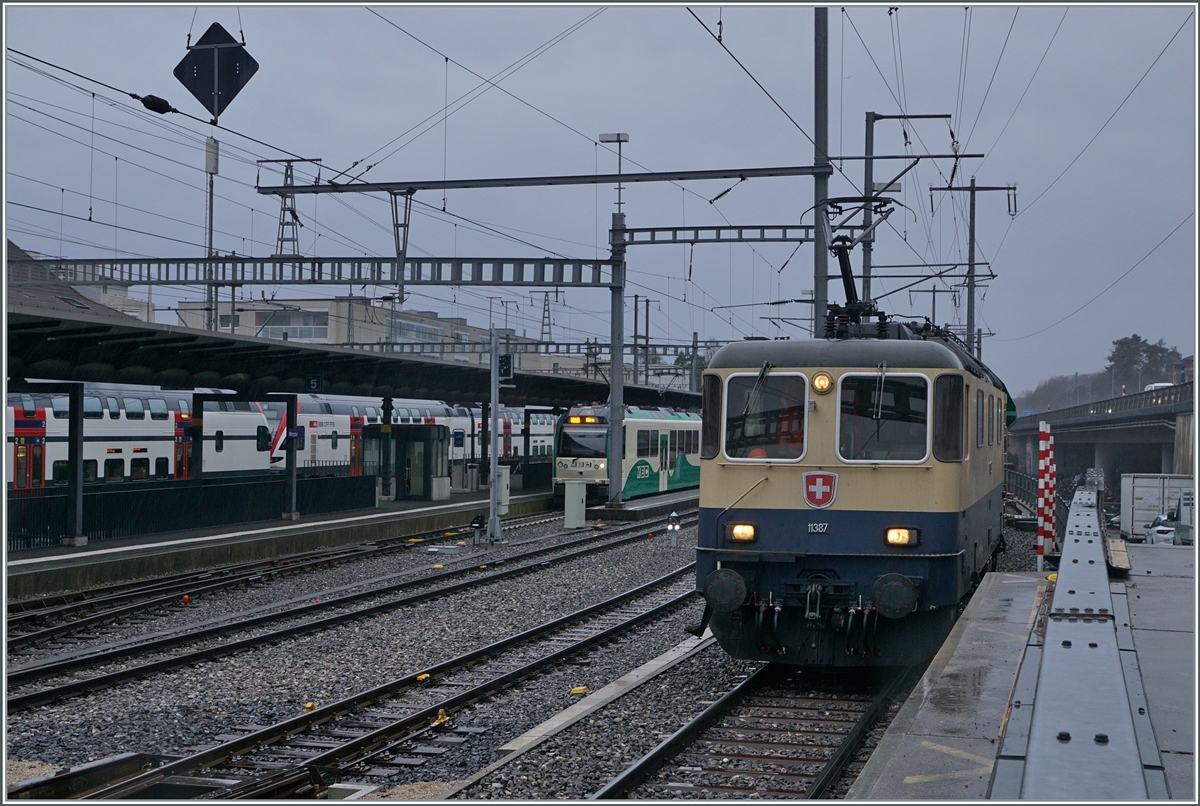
(618,138)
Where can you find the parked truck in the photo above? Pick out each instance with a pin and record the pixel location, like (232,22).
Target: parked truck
(1145,496)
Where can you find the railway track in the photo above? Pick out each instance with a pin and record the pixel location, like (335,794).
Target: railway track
(311,617)
(40,619)
(400,723)
(768,737)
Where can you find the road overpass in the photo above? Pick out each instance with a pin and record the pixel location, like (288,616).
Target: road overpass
(1148,432)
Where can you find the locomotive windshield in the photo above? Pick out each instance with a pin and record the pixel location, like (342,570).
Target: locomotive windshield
(765,416)
(883,417)
(583,444)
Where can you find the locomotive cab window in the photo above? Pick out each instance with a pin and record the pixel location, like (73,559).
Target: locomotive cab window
(979,419)
(765,416)
(991,418)
(948,418)
(710,440)
(883,418)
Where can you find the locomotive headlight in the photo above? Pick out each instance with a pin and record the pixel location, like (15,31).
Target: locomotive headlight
(903,536)
(822,383)
(600,466)
(741,532)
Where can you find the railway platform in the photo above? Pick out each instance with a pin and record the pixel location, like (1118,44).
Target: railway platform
(655,506)
(59,568)
(968,730)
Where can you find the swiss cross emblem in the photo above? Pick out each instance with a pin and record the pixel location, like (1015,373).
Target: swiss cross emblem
(819,489)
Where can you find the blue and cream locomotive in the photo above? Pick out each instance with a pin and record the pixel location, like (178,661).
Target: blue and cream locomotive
(850,492)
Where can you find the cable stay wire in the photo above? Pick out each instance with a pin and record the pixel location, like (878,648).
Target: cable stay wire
(491,82)
(995,69)
(1109,286)
(1110,117)
(137,97)
(1026,90)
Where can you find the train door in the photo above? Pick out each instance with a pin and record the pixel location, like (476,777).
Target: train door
(29,449)
(663,449)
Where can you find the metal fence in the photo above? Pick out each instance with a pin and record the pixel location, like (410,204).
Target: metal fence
(124,510)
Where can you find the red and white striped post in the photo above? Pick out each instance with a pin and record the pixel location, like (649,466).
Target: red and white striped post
(1042,480)
(1052,497)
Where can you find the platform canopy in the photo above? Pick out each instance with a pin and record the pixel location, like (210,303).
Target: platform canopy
(55,335)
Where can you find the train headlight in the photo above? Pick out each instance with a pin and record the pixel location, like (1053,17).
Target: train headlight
(600,466)
(903,536)
(822,383)
(741,532)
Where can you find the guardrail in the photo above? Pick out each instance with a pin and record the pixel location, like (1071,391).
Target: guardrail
(1179,393)
(1024,488)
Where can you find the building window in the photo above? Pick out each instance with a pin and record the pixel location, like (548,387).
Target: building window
(404,332)
(237,321)
(311,325)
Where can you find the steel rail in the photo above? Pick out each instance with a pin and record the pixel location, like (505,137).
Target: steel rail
(634,776)
(239,573)
(849,746)
(21,701)
(647,765)
(290,727)
(22,610)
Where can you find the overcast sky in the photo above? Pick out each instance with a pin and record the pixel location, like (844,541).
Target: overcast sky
(1089,111)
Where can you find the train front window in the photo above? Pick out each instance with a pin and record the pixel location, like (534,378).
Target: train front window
(765,416)
(583,444)
(883,418)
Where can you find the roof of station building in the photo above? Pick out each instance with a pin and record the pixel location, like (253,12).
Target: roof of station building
(54,339)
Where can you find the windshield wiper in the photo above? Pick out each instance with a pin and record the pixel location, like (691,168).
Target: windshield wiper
(756,391)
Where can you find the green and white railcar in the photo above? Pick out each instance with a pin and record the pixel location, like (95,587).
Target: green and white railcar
(662,451)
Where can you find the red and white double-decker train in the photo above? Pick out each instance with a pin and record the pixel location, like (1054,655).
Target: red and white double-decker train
(139,433)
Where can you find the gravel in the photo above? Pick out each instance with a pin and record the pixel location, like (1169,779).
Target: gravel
(172,711)
(168,712)
(339,579)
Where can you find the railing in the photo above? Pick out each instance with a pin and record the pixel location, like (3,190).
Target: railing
(122,510)
(1170,395)
(1022,487)
(1025,489)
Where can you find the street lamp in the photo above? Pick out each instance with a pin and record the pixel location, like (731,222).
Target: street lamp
(618,138)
